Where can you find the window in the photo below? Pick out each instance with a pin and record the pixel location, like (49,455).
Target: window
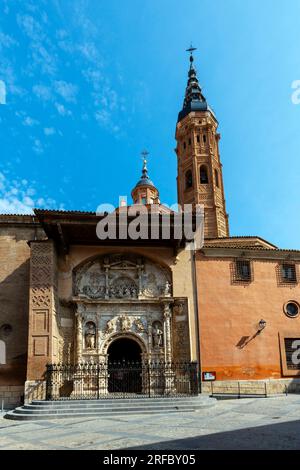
(144,200)
(203,175)
(190,141)
(243,270)
(217,178)
(288,273)
(204,138)
(198,139)
(188,179)
(291,309)
(184,145)
(291,352)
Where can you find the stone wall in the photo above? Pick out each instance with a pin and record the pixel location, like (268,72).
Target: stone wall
(11,396)
(15,231)
(256,387)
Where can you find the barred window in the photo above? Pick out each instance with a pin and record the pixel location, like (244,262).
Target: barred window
(292,353)
(288,272)
(243,270)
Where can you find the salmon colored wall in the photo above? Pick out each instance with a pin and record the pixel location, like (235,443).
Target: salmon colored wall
(227,312)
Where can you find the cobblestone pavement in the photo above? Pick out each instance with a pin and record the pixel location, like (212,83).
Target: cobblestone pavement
(260,423)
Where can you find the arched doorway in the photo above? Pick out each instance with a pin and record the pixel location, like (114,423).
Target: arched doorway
(124,366)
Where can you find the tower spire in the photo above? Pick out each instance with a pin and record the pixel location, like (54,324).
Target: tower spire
(145,176)
(200,178)
(194,100)
(144,191)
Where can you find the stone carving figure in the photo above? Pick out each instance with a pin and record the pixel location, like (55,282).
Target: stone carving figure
(157,335)
(167,289)
(90,335)
(125,323)
(139,325)
(111,326)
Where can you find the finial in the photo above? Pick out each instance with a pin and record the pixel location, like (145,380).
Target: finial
(144,154)
(191,49)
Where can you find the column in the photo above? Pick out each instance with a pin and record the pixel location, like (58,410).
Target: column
(167,314)
(78,336)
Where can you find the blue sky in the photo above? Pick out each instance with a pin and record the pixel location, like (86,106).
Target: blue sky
(89,84)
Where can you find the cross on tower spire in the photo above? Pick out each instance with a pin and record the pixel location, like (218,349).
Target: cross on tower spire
(194,99)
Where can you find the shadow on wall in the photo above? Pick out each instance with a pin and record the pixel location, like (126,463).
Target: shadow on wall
(14,305)
(272,436)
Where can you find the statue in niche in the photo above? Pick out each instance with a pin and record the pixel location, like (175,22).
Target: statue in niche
(167,290)
(90,335)
(157,335)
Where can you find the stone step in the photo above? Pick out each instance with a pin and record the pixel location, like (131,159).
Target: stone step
(37,411)
(105,409)
(116,402)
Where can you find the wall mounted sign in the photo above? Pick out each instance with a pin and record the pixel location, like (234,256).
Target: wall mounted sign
(208,376)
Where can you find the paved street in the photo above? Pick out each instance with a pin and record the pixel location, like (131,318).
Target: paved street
(272,423)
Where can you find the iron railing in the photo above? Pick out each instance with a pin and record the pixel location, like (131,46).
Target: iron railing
(121,380)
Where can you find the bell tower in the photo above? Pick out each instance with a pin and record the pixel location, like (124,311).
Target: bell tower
(199,179)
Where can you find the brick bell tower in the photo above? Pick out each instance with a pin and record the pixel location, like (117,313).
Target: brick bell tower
(199,179)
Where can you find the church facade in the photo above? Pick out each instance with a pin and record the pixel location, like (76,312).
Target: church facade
(232,307)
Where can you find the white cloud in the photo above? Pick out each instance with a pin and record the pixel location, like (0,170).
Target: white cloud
(49,130)
(67,90)
(17,197)
(62,110)
(28,121)
(7,41)
(43,92)
(37,146)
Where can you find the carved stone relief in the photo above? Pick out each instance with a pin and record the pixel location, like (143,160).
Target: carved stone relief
(121,277)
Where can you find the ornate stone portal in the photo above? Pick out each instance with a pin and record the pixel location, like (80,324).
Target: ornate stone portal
(122,296)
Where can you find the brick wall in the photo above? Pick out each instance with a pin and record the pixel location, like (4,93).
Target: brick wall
(15,231)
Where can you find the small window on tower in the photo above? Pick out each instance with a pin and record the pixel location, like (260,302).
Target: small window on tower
(190,141)
(217,178)
(144,200)
(188,179)
(204,138)
(184,145)
(203,175)
(198,139)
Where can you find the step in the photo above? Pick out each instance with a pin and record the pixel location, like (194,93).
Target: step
(118,401)
(84,408)
(29,417)
(107,409)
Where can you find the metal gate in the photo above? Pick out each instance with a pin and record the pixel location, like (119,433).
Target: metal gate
(124,379)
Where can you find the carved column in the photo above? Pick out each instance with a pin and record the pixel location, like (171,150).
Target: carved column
(167,315)
(106,266)
(140,268)
(169,374)
(43,335)
(78,336)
